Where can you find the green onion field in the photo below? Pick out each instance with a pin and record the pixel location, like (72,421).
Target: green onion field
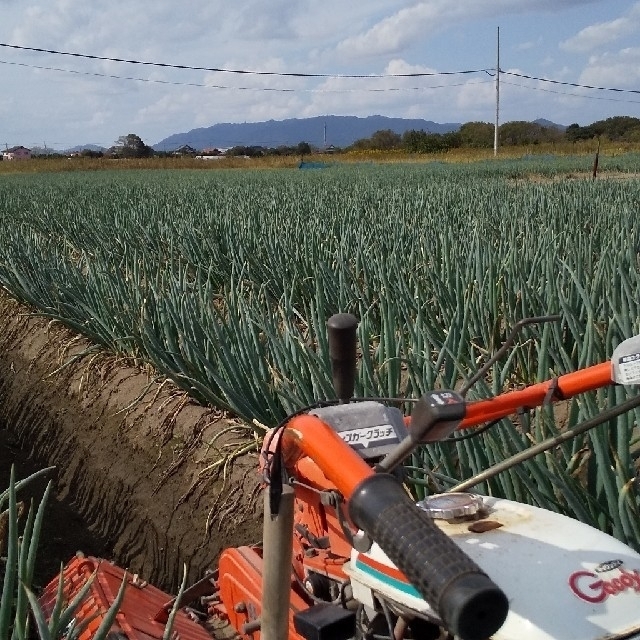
(223,281)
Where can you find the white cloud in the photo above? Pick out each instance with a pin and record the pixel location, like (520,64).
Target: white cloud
(603,33)
(479,96)
(275,24)
(394,33)
(621,69)
(563,74)
(597,35)
(376,37)
(526,46)
(439,98)
(100,118)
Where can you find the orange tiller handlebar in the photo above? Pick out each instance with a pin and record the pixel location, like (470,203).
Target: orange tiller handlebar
(560,388)
(342,466)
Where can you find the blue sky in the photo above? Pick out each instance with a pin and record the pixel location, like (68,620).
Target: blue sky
(590,42)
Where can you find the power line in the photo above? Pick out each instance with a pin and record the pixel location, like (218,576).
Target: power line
(286,74)
(277,90)
(489,72)
(219,86)
(241,71)
(417,74)
(573,95)
(567,84)
(149,80)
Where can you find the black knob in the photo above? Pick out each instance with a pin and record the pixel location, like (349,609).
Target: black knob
(342,351)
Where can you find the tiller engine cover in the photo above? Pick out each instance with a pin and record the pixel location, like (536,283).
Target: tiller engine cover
(564,579)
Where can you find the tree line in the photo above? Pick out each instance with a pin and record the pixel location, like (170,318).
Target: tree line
(473,135)
(479,135)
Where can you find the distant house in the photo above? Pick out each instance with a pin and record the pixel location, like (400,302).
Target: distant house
(213,151)
(17,153)
(185,150)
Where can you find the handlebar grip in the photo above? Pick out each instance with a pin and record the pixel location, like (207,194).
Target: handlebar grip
(342,352)
(469,603)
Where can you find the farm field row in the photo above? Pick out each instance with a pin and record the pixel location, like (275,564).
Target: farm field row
(615,154)
(224,280)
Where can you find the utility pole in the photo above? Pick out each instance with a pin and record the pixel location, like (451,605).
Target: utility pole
(495,133)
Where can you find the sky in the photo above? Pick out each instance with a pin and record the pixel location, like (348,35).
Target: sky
(60,101)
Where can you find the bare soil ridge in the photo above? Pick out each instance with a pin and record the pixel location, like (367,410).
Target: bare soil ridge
(137,458)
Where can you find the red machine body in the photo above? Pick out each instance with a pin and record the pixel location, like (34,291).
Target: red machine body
(142,615)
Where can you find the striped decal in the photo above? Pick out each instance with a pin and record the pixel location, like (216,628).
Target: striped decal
(389,575)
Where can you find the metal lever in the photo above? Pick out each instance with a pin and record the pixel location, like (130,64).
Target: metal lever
(435,416)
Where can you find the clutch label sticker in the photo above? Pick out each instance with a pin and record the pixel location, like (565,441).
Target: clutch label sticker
(629,367)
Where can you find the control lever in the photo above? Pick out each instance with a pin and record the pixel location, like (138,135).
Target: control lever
(342,351)
(435,416)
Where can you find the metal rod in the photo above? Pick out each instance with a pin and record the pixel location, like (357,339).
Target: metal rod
(614,412)
(276,578)
(495,133)
(511,338)
(396,456)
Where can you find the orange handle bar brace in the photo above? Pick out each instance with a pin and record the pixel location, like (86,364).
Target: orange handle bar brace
(566,386)
(342,466)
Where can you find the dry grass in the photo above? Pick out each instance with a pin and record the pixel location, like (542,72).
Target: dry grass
(37,165)
(55,165)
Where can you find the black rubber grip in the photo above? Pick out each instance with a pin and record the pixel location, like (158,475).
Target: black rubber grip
(470,605)
(342,352)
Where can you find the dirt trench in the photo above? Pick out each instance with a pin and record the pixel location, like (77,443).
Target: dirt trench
(136,459)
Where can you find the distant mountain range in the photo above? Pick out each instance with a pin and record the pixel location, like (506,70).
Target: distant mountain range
(39,151)
(548,124)
(86,147)
(340,131)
